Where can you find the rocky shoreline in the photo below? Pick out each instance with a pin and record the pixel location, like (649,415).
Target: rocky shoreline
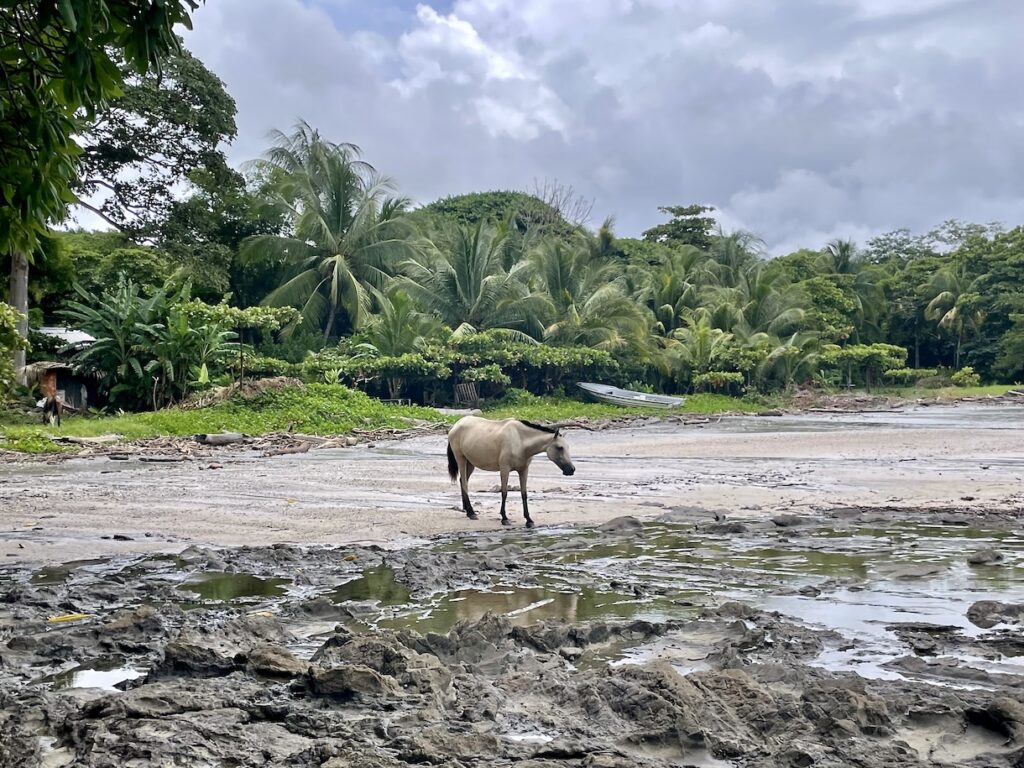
(301,656)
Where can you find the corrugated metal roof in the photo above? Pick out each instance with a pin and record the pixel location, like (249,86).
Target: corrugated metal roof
(67,335)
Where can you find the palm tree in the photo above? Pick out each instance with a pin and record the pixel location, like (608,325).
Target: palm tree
(735,253)
(758,301)
(460,277)
(582,299)
(676,286)
(347,229)
(791,357)
(700,344)
(953,292)
(841,257)
(861,280)
(397,326)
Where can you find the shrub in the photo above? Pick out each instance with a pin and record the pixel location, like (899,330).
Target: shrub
(491,373)
(907,376)
(722,382)
(966,377)
(259,366)
(10,340)
(147,351)
(935,382)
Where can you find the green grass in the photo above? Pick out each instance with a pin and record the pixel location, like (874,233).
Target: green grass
(319,409)
(953,393)
(565,409)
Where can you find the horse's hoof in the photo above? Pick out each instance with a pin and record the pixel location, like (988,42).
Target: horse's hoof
(529,523)
(472,516)
(507,523)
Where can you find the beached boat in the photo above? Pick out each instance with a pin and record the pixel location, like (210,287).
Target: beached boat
(616,396)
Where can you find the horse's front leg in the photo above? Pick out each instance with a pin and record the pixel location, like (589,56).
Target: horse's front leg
(504,497)
(522,490)
(465,470)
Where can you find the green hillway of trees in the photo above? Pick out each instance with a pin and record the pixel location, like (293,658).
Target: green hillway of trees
(315,262)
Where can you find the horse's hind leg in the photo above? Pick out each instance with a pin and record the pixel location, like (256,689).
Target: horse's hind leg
(504,497)
(465,470)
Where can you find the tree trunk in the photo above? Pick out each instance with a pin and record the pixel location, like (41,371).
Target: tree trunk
(956,353)
(19,300)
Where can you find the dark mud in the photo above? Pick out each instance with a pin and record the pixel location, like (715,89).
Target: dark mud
(847,638)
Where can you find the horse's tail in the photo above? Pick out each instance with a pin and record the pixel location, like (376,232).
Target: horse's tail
(453,465)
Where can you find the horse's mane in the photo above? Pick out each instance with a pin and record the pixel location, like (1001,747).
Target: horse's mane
(540,427)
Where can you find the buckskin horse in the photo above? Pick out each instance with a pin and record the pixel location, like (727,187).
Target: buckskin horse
(502,446)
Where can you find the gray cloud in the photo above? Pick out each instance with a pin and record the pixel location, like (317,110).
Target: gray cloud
(801,120)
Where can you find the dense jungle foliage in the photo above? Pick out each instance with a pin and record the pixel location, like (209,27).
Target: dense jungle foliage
(312,264)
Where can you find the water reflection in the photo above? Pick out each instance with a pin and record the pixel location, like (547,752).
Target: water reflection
(377,584)
(529,605)
(225,587)
(105,673)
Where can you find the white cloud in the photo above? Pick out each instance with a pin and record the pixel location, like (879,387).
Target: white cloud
(801,120)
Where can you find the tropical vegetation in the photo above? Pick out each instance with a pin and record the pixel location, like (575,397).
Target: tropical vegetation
(309,261)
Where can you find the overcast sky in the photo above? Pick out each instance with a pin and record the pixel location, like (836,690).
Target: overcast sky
(800,120)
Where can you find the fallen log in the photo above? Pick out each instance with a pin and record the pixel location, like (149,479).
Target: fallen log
(311,439)
(97,440)
(301,448)
(221,438)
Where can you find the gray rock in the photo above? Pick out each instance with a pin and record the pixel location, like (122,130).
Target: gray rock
(986,556)
(988,613)
(349,680)
(275,661)
(621,525)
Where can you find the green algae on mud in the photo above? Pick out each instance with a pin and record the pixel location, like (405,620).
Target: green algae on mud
(499,648)
(226,587)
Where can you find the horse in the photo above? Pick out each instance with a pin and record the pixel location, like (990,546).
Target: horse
(52,410)
(502,446)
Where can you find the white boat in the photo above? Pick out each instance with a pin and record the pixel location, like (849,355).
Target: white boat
(616,396)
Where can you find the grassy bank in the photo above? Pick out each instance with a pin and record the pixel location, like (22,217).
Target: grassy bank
(955,393)
(564,409)
(318,409)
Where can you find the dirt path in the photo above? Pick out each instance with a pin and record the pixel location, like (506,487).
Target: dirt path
(396,492)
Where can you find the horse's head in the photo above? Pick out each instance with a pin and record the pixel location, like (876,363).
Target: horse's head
(558,452)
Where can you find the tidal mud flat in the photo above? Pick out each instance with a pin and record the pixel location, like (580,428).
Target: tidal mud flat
(396,493)
(845,639)
(779,609)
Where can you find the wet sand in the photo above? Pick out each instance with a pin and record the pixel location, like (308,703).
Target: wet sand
(815,590)
(397,493)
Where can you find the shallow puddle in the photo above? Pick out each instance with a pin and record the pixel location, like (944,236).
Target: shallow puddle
(377,584)
(105,674)
(854,579)
(58,574)
(527,605)
(225,587)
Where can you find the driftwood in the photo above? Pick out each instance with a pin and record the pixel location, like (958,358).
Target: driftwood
(311,439)
(300,448)
(221,438)
(850,410)
(98,440)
